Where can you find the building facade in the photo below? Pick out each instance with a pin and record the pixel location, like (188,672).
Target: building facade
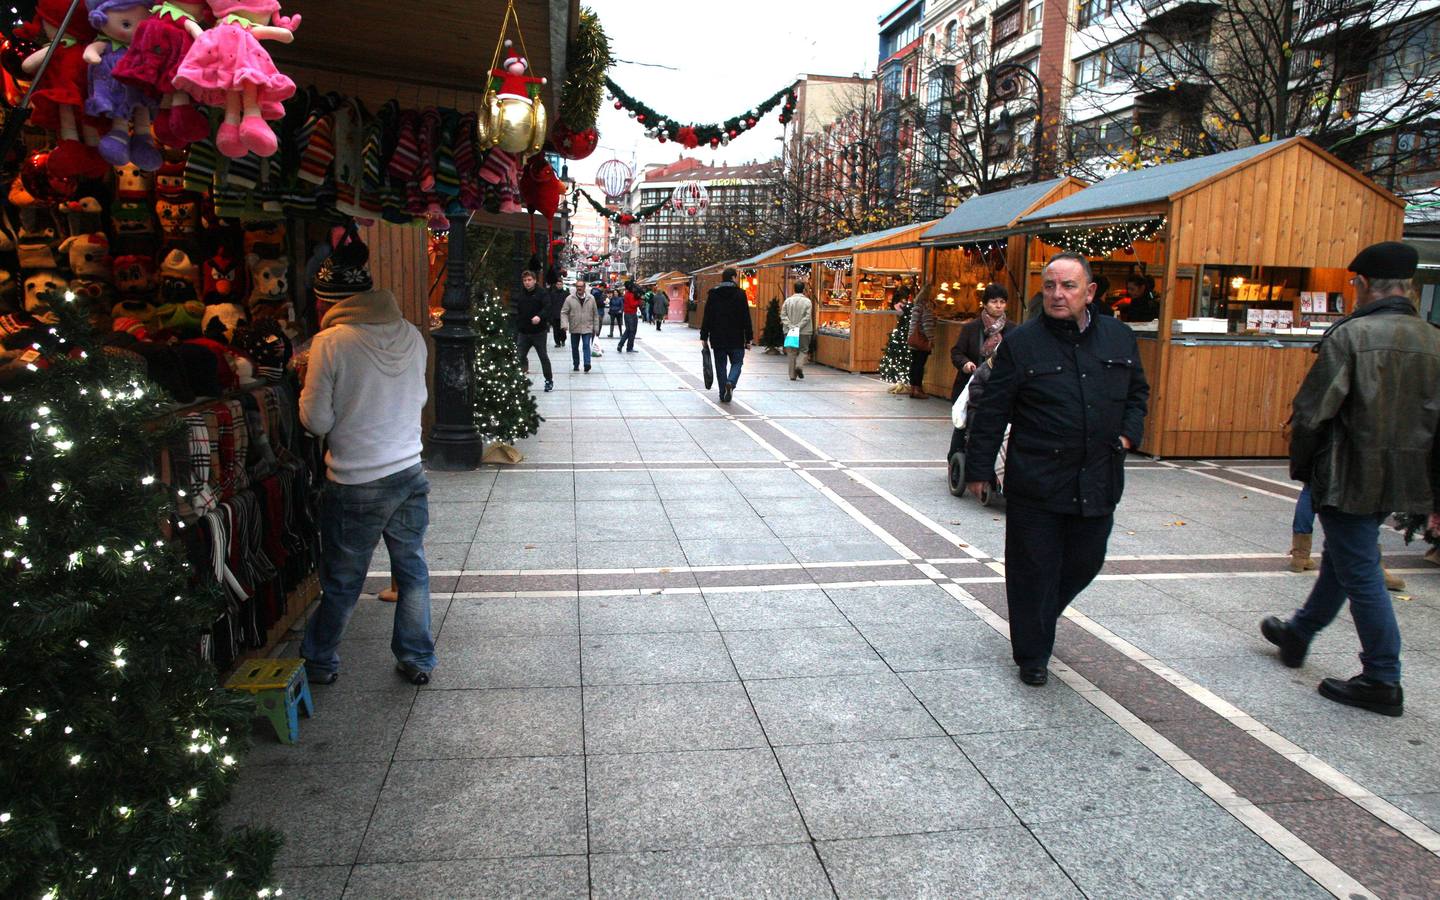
(736,223)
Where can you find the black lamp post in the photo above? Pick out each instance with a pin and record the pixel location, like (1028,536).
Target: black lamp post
(455,444)
(1003,82)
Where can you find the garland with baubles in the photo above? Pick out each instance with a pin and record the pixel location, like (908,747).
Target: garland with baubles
(666,128)
(1105,240)
(621,217)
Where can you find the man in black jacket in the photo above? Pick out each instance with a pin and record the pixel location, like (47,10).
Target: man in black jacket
(555,287)
(727,328)
(532,324)
(1070,386)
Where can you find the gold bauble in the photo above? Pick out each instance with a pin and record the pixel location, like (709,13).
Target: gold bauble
(484,121)
(540,125)
(514,127)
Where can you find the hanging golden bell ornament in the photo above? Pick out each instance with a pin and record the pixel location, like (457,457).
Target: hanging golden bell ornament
(513,116)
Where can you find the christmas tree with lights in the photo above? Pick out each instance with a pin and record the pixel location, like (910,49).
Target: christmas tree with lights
(895,363)
(118,744)
(505,407)
(773,337)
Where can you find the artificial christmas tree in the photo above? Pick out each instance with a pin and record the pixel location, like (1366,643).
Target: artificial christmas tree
(895,363)
(505,408)
(773,337)
(119,744)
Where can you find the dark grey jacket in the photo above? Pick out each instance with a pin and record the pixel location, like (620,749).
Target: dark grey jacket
(1364,430)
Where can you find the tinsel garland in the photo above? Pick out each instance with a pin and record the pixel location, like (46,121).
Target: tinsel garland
(584,88)
(664,128)
(621,217)
(1102,240)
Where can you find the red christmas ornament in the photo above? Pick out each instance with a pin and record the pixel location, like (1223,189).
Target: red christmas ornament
(640,117)
(750,123)
(574,144)
(661,138)
(619,105)
(626,219)
(733,132)
(714,142)
(687,137)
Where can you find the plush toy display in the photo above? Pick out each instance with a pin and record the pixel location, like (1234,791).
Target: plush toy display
(265,239)
(221,320)
(269,288)
(127,107)
(160,45)
(82,215)
(227,68)
(132,214)
(59,96)
(178,220)
(40,284)
(512,119)
(180,308)
(135,286)
(38,240)
(89,256)
(220,277)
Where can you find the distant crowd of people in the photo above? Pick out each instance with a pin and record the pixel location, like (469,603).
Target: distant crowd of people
(580,313)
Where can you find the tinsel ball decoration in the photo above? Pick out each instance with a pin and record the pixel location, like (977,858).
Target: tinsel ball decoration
(574,144)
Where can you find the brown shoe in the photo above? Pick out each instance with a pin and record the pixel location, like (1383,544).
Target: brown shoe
(1300,560)
(918,393)
(1393,582)
(390,594)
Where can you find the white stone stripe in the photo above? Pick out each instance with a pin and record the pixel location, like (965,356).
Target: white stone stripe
(870,524)
(918,516)
(1327,774)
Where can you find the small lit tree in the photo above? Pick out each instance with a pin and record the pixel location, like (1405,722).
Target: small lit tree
(895,363)
(505,407)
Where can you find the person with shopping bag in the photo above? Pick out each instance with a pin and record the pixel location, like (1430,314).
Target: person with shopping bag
(727,330)
(921,340)
(797,317)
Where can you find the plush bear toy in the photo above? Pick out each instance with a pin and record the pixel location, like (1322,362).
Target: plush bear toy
(269,288)
(59,98)
(39,286)
(160,45)
(127,107)
(228,69)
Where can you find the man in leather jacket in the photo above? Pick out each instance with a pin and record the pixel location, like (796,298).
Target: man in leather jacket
(1070,385)
(1366,438)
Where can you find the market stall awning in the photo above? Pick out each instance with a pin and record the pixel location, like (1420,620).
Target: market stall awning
(774,255)
(988,217)
(848,246)
(1429,250)
(713,267)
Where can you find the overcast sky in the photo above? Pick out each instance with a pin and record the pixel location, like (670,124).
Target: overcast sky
(721,59)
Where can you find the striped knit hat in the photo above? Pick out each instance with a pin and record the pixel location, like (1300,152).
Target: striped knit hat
(346,272)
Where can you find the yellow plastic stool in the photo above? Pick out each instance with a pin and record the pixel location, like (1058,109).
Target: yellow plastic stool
(280,688)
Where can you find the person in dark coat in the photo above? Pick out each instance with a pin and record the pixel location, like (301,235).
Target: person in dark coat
(1071,388)
(727,329)
(1365,439)
(1144,305)
(532,323)
(978,340)
(558,294)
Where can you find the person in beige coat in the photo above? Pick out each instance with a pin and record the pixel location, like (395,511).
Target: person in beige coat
(798,312)
(580,317)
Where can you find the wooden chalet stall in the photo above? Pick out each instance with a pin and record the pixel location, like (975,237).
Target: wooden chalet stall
(701,281)
(762,278)
(855,281)
(1248,251)
(976,244)
(674,285)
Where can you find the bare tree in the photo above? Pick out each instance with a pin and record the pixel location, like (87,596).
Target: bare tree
(1360,78)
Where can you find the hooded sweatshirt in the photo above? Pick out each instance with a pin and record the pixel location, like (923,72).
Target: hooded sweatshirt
(365,389)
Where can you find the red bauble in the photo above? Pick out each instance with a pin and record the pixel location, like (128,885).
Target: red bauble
(686,136)
(574,144)
(714,142)
(750,123)
(619,105)
(661,138)
(733,132)
(13,52)
(46,188)
(626,219)
(640,117)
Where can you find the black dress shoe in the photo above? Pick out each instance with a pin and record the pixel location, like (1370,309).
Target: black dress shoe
(1034,677)
(1366,693)
(325,678)
(1292,647)
(412,674)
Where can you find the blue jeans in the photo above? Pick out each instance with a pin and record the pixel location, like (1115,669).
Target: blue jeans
(576,342)
(727,364)
(1350,567)
(1304,513)
(632,322)
(353,519)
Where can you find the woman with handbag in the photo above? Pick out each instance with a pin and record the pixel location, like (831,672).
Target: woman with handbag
(921,340)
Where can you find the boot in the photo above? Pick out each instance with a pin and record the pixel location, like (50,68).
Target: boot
(918,393)
(1300,560)
(1366,693)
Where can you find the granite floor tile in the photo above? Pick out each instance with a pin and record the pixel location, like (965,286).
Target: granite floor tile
(754,610)
(644,614)
(711,798)
(899,604)
(478,619)
(361,726)
(657,717)
(798,652)
(478,808)
(818,549)
(630,554)
(365,665)
(489,723)
(988,862)
(555,877)
(312,882)
(662,658)
(1379,857)
(914,647)
(722,552)
(978,701)
(1425,807)
(487,554)
(791,871)
(508,662)
(839,708)
(304,802)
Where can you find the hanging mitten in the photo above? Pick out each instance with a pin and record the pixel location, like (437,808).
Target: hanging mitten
(427,137)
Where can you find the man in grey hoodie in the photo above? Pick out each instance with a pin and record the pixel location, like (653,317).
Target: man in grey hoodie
(364,392)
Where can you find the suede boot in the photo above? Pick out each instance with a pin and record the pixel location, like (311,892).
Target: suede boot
(1300,560)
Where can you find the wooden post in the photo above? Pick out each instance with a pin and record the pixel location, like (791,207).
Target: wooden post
(454,442)
(1158,384)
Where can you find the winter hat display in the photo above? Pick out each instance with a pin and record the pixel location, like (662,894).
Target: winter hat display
(346,272)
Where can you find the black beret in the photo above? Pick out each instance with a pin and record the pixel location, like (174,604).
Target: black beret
(1390,259)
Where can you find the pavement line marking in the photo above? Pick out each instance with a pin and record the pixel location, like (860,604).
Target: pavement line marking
(1226,481)
(918,516)
(1321,770)
(870,524)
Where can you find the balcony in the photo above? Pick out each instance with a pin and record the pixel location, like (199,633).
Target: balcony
(1157,13)
(1173,75)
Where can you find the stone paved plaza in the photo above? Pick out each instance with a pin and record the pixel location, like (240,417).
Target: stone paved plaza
(759,651)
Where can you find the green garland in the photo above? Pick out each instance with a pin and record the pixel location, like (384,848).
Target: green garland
(1104,240)
(588,58)
(663,128)
(624,218)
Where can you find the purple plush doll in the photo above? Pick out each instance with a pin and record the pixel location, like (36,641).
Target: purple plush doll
(129,109)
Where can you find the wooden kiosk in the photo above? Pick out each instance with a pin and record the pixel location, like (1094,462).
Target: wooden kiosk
(701,281)
(762,278)
(855,280)
(976,244)
(674,285)
(1248,250)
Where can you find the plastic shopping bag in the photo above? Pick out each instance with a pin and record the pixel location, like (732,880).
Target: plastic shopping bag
(709,367)
(792,338)
(957,412)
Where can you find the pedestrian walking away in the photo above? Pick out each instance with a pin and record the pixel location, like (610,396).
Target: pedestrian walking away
(644,298)
(631,306)
(532,324)
(617,309)
(1365,438)
(921,340)
(1070,386)
(659,307)
(727,330)
(580,317)
(797,315)
(978,340)
(364,392)
(556,289)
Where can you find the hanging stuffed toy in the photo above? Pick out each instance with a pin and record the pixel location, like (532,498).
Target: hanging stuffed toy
(541,191)
(227,68)
(59,96)
(128,108)
(513,117)
(160,45)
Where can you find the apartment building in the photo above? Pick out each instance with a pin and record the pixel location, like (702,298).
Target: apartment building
(740,197)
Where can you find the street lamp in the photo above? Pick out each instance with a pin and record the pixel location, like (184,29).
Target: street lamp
(1003,82)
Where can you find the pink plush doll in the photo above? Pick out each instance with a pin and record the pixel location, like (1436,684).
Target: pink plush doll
(128,108)
(513,80)
(160,45)
(229,69)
